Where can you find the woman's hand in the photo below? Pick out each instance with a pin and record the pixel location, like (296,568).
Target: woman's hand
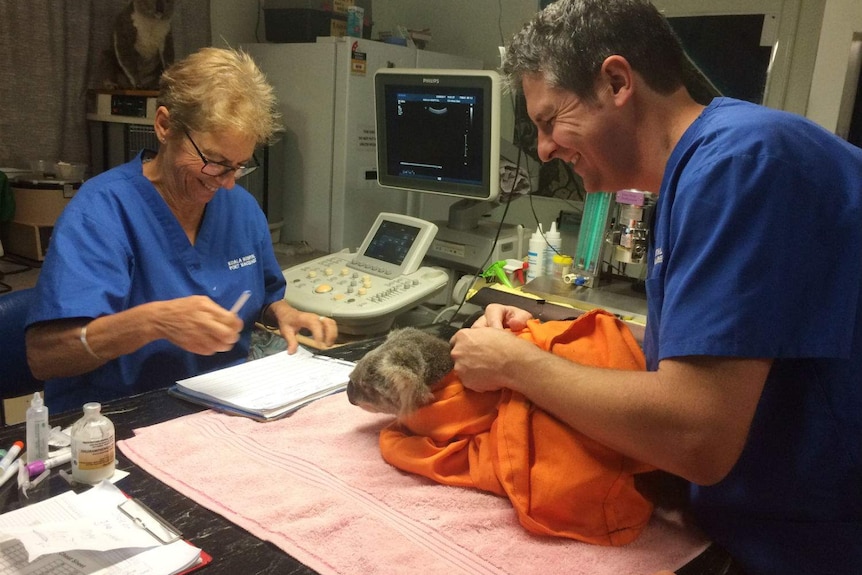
(198,324)
(324,330)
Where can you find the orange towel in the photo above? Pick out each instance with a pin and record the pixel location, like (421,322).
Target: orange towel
(559,481)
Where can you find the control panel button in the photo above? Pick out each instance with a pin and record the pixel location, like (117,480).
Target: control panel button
(323,288)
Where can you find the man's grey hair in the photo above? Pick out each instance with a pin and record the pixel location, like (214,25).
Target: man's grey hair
(567,42)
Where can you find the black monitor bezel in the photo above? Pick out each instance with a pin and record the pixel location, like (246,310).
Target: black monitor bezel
(488,83)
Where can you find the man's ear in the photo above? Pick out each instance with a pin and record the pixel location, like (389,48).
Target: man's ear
(617,73)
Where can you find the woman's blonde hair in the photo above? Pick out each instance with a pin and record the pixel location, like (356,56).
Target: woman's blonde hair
(219,89)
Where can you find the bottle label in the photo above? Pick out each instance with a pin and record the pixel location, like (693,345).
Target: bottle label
(96,454)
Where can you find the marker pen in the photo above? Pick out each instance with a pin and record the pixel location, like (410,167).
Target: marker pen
(11,455)
(38,466)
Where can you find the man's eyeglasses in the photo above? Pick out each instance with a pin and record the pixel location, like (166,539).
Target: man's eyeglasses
(218,169)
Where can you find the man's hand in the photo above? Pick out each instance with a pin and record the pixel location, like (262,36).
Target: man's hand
(503,316)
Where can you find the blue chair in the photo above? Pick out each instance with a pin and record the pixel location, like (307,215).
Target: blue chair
(15,376)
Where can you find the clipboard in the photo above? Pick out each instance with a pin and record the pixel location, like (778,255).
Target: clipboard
(159,528)
(147,519)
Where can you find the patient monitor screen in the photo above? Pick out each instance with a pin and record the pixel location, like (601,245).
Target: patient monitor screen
(392,242)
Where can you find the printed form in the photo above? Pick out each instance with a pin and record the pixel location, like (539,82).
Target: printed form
(85,534)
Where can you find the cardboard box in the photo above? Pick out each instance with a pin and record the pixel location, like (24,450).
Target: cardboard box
(26,240)
(41,204)
(305,20)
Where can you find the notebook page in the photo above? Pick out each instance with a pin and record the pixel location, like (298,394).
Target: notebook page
(270,382)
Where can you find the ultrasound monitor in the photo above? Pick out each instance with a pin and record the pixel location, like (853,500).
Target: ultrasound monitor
(438,131)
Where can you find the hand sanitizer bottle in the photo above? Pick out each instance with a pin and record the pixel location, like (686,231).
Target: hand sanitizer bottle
(93,455)
(38,429)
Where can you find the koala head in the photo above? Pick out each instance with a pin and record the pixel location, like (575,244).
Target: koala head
(399,376)
(156,9)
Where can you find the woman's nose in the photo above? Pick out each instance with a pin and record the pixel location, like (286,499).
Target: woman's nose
(228,180)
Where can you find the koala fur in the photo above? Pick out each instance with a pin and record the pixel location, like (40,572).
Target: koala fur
(142,44)
(399,376)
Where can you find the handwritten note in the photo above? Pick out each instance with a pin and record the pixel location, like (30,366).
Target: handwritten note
(270,386)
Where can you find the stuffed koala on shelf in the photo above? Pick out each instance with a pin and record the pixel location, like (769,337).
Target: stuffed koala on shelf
(142,45)
(399,376)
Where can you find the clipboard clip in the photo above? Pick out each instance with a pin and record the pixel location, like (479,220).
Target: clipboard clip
(147,519)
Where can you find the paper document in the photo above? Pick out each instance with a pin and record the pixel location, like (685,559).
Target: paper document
(85,533)
(269,387)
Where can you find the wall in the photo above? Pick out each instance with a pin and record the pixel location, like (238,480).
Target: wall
(842,19)
(475,29)
(471,29)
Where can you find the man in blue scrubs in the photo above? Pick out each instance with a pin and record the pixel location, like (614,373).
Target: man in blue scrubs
(754,329)
(148,259)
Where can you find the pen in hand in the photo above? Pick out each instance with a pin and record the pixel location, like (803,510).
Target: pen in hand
(243,297)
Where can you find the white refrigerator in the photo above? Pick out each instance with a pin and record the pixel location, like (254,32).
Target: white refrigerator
(325,92)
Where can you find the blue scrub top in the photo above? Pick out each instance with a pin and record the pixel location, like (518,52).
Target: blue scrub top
(755,253)
(117,245)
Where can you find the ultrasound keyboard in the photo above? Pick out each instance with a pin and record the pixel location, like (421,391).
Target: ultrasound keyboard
(355,297)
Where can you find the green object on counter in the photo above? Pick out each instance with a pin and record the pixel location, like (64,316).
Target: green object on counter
(496,270)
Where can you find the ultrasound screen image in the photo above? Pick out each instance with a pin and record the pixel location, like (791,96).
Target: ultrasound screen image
(436,136)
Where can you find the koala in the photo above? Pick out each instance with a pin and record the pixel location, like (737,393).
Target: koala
(142,44)
(400,375)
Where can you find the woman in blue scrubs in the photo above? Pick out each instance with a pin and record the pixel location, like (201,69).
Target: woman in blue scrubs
(148,259)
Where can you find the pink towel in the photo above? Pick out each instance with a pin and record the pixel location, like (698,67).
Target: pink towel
(314,484)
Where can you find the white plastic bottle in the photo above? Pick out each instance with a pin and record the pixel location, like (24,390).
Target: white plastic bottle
(38,429)
(93,449)
(536,254)
(553,245)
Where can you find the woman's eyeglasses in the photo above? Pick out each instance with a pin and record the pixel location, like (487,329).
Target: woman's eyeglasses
(219,169)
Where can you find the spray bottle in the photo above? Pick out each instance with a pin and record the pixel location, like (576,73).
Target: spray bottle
(38,429)
(535,254)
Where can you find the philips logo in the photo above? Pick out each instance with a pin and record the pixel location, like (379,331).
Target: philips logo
(430,80)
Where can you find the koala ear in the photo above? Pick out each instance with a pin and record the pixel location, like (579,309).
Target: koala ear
(405,372)
(411,390)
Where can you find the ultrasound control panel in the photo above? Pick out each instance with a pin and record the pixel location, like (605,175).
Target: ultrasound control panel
(366,290)
(360,300)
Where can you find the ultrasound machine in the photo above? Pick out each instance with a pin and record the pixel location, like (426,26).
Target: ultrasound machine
(438,132)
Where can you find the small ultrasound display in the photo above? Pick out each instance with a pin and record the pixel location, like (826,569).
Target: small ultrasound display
(392,242)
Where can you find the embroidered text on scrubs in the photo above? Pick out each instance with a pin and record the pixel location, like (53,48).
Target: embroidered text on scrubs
(237,263)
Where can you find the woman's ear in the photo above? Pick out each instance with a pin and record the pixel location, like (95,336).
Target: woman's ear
(162,124)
